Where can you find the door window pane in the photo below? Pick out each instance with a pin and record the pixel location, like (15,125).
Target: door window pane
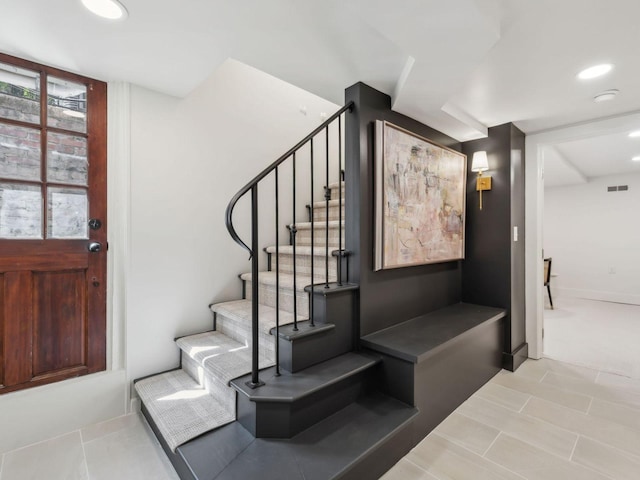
(66,159)
(19,94)
(19,152)
(20,211)
(67,213)
(66,105)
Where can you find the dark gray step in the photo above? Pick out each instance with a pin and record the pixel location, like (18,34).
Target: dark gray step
(304,329)
(361,441)
(422,337)
(288,388)
(290,403)
(308,345)
(332,334)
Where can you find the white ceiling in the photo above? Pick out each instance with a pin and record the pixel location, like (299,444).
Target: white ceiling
(459,66)
(578,161)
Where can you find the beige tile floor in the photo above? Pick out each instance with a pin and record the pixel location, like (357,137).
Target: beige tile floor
(548,420)
(120,449)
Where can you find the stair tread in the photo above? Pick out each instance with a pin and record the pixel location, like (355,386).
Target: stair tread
(180,407)
(290,387)
(221,355)
(335,185)
(325,450)
(241,310)
(286,279)
(332,203)
(300,250)
(319,224)
(420,338)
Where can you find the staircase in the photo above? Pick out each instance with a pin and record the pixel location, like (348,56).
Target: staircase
(283,367)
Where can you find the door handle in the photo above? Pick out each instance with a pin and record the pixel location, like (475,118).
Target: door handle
(94,247)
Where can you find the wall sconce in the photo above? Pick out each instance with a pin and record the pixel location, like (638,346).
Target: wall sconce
(480,164)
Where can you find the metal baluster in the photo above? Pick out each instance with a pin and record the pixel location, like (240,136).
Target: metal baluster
(255,381)
(312,244)
(327,197)
(277,281)
(339,201)
(294,231)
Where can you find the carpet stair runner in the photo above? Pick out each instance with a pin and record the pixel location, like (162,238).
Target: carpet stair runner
(198,397)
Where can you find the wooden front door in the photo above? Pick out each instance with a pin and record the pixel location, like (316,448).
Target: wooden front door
(53,232)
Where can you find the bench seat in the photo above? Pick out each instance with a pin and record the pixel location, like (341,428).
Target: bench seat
(437,360)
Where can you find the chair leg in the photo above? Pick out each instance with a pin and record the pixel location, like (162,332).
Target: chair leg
(549,292)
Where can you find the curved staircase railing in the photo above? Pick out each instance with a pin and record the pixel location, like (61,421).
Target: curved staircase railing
(252,187)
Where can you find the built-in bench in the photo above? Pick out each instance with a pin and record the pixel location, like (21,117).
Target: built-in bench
(436,361)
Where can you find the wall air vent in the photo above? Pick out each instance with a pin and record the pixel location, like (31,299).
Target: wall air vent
(618,188)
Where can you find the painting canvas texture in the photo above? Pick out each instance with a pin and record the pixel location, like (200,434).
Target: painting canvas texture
(420,200)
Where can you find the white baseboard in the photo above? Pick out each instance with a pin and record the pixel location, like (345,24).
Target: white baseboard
(135,405)
(615,297)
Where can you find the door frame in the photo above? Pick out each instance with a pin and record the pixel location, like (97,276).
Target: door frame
(72,403)
(534,190)
(50,253)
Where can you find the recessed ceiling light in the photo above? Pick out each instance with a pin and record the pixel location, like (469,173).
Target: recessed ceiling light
(606,95)
(636,159)
(593,72)
(634,134)
(109,9)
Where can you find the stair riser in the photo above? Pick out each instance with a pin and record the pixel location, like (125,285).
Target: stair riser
(267,296)
(303,265)
(335,192)
(337,309)
(303,237)
(217,389)
(320,214)
(241,332)
(284,420)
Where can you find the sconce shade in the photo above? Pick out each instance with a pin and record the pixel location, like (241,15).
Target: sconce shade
(479,162)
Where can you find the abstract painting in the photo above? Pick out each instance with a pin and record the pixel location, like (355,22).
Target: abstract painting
(420,200)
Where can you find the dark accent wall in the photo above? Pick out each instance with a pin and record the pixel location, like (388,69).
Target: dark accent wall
(386,297)
(493,269)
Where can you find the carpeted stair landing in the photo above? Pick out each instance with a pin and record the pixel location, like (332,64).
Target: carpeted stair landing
(197,398)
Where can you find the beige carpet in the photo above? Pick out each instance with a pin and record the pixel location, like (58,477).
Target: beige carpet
(601,335)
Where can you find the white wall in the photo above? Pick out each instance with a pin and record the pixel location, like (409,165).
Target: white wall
(188,158)
(594,239)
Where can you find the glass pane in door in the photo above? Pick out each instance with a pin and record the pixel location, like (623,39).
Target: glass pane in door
(67,159)
(67,213)
(19,94)
(19,152)
(20,211)
(66,105)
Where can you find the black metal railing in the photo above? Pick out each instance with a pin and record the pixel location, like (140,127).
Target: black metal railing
(75,102)
(252,187)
